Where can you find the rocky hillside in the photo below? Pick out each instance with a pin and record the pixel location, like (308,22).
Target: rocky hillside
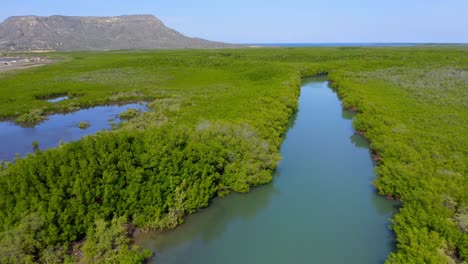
(66,33)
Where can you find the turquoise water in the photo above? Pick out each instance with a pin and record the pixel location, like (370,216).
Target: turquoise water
(320,207)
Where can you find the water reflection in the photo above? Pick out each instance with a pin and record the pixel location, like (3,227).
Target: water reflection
(348,114)
(209,224)
(291,123)
(359,141)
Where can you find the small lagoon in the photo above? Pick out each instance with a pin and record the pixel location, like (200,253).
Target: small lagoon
(58,128)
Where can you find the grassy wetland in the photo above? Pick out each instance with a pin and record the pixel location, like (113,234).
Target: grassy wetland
(215,124)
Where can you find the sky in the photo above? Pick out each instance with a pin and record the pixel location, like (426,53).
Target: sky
(270,21)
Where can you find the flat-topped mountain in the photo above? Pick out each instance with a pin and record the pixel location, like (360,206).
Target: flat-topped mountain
(71,33)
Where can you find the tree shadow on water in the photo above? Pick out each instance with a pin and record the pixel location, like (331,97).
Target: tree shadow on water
(348,114)
(359,141)
(210,224)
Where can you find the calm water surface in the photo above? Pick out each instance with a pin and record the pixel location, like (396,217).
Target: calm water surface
(320,207)
(58,99)
(58,128)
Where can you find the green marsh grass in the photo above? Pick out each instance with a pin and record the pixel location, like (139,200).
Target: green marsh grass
(216,126)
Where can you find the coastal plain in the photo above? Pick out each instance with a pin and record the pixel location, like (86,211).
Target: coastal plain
(215,123)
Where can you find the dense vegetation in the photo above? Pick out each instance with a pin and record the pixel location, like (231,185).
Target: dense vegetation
(84,125)
(216,125)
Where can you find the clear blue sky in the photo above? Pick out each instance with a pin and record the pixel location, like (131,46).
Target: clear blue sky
(254,21)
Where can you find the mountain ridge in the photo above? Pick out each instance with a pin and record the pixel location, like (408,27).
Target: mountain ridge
(75,33)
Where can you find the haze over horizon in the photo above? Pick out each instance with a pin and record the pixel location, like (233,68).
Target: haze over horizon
(297,21)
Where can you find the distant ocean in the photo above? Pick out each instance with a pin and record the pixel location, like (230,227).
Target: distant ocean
(339,44)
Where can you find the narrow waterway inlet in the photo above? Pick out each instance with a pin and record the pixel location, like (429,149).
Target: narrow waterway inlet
(320,207)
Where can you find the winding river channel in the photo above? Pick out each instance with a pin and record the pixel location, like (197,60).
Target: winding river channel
(320,207)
